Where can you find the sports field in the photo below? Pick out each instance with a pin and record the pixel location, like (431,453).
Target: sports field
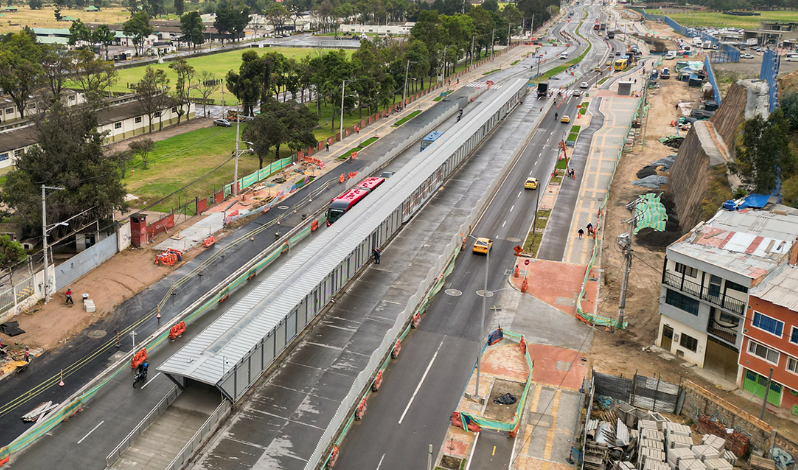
(720,20)
(219,64)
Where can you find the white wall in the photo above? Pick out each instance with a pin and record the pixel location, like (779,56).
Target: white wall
(697,357)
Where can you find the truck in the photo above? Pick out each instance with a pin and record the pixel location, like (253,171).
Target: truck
(543,88)
(666,74)
(596,26)
(610,34)
(603,27)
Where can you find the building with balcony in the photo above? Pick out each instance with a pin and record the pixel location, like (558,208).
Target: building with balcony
(774,32)
(770,340)
(706,281)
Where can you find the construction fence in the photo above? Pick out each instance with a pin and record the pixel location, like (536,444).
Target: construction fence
(649,393)
(711,77)
(770,69)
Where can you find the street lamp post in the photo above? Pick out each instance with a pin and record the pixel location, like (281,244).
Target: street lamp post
(482,318)
(238,153)
(45,231)
(404,91)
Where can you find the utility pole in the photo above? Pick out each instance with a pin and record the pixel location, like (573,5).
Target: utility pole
(625,242)
(238,136)
(492,33)
(767,392)
(472,50)
(45,231)
(482,320)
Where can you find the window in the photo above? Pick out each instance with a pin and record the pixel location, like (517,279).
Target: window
(72,98)
(683,302)
(714,286)
(157,114)
(174,110)
(32,106)
(686,270)
(3,156)
(763,352)
(9,110)
(792,365)
(117,125)
(138,120)
(734,286)
(688,342)
(18,152)
(769,324)
(794,335)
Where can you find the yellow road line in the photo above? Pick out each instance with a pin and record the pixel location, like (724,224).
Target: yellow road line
(555,407)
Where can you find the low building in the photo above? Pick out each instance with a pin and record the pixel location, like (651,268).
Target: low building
(121,121)
(10,116)
(706,281)
(394,29)
(770,345)
(774,32)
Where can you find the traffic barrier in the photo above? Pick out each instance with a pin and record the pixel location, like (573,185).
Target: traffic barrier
(457,421)
(209,241)
(138,358)
(333,458)
(524,285)
(516,271)
(396,349)
(352,174)
(522,345)
(341,178)
(375,387)
(177,330)
(416,320)
(361,410)
(314,225)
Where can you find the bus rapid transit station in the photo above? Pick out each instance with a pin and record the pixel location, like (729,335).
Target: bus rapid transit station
(234,351)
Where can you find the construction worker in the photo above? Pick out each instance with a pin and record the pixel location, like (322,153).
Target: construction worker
(27,354)
(69,297)
(376,254)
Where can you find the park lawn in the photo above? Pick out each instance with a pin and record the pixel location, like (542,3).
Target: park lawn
(719,20)
(219,64)
(179,160)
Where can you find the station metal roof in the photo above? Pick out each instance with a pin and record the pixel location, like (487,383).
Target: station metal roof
(211,355)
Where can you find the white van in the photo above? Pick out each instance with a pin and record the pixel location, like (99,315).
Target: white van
(698,43)
(670,55)
(563,55)
(792,57)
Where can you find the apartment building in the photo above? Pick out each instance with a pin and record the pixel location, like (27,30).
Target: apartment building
(770,340)
(706,279)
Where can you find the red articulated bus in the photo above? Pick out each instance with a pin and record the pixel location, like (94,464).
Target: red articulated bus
(341,204)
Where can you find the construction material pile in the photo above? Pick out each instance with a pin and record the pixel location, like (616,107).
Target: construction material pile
(672,141)
(170,257)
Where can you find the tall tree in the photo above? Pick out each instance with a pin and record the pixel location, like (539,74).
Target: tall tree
(179,7)
(206,85)
(20,68)
(225,20)
(240,21)
(191,26)
(277,16)
(35,4)
(11,253)
(763,152)
(104,36)
(278,124)
(150,92)
(185,73)
(79,35)
(138,27)
(94,77)
(69,154)
(57,64)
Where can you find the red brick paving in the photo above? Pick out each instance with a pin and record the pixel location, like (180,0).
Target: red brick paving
(545,370)
(549,280)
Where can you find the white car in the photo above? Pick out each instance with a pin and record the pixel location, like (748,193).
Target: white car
(584,85)
(746,56)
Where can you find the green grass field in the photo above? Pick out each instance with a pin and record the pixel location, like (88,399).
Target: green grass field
(219,64)
(181,159)
(720,20)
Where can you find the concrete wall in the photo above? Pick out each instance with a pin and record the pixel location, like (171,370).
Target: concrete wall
(85,261)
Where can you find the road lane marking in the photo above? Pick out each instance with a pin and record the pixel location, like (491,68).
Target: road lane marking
(511,208)
(519,194)
(494,451)
(150,381)
(504,223)
(429,366)
(87,435)
(471,455)
(380,464)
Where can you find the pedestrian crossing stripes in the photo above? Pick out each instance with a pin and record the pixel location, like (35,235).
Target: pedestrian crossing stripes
(482,84)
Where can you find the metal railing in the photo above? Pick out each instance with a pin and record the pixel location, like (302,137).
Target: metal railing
(728,334)
(723,301)
(142,426)
(199,437)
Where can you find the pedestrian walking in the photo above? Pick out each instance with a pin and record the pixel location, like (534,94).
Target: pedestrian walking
(69,296)
(327,146)
(573,173)
(589,229)
(357,130)
(376,254)
(580,232)
(27,354)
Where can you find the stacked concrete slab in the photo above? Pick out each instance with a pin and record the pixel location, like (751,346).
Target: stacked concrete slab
(651,451)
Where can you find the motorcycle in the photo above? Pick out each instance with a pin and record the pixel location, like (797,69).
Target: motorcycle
(139,377)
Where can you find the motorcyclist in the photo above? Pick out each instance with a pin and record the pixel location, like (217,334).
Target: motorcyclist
(556,115)
(143,367)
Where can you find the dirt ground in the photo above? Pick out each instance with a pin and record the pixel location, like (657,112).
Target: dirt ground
(121,277)
(626,352)
(503,413)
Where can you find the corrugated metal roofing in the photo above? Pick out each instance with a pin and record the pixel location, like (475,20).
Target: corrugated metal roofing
(239,330)
(750,243)
(780,288)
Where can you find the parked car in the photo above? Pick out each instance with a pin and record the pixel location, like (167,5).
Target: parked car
(222,123)
(746,56)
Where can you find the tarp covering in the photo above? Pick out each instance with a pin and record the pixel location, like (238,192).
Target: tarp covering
(650,213)
(756,201)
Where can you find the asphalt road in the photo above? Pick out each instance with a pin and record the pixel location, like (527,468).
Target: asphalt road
(419,392)
(21,393)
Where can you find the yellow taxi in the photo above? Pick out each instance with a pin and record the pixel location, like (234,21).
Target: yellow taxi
(531,183)
(483,245)
(608,63)
(565,119)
